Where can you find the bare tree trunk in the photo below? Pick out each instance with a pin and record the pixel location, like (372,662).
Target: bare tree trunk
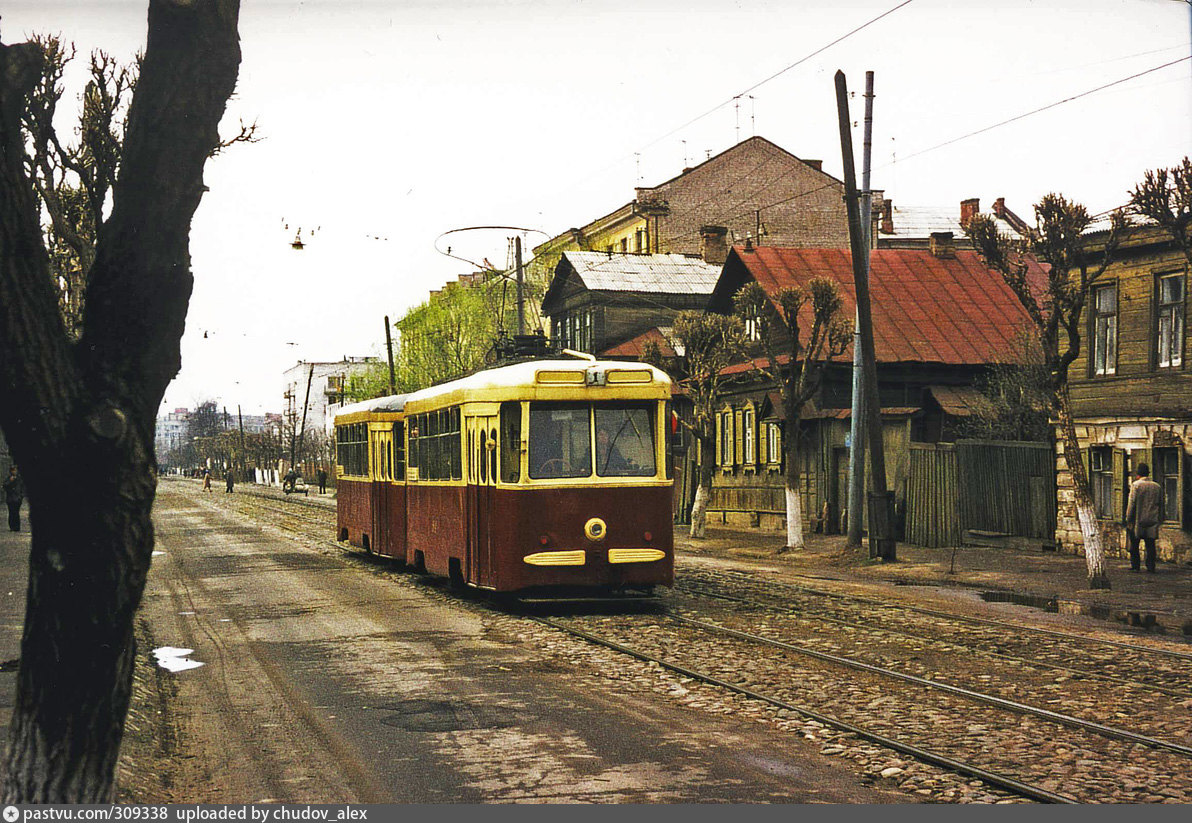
(794,501)
(703,492)
(80,417)
(1090,529)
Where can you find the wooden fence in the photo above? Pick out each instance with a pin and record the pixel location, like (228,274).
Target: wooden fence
(991,487)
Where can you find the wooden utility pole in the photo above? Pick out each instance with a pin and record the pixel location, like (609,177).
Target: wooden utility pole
(389,350)
(856,453)
(243,454)
(881,502)
(295,442)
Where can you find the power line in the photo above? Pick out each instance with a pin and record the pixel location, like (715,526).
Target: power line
(781,72)
(1045,108)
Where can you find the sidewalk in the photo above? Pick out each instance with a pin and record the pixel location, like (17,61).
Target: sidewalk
(1159,602)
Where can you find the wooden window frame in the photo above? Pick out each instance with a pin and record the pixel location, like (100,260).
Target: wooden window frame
(1110,342)
(1177,328)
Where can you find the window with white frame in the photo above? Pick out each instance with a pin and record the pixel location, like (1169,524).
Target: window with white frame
(1169,331)
(773,443)
(747,434)
(726,438)
(1104,348)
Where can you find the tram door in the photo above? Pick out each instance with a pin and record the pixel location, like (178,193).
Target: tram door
(482,481)
(379,444)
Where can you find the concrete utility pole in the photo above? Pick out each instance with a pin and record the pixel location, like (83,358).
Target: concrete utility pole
(521,287)
(389,349)
(856,453)
(881,502)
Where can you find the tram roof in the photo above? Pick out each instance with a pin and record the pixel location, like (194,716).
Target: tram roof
(392,403)
(538,375)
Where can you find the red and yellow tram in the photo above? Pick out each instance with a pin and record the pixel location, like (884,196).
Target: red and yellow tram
(539,476)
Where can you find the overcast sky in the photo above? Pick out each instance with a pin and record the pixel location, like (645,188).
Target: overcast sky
(387,124)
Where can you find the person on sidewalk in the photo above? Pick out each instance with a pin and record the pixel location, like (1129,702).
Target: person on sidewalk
(1144,511)
(229,482)
(14,495)
(322,476)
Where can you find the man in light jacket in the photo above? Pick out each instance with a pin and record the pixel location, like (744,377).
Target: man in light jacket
(1143,515)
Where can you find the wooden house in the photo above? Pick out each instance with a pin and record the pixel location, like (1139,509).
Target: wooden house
(941,317)
(1131,389)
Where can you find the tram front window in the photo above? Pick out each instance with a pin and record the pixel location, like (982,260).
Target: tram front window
(625,440)
(560,440)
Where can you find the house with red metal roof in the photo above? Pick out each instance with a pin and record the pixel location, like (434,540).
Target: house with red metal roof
(941,318)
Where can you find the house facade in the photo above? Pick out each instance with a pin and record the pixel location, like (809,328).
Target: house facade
(1131,390)
(754,189)
(597,300)
(312,390)
(941,318)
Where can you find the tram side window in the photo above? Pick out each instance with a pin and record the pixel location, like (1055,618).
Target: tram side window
(625,440)
(560,440)
(399,451)
(352,449)
(435,445)
(510,442)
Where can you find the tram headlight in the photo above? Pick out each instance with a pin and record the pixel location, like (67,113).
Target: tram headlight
(595,530)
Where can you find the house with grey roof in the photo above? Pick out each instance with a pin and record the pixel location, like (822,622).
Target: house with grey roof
(599,299)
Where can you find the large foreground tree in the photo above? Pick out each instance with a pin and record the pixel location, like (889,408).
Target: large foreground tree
(79,416)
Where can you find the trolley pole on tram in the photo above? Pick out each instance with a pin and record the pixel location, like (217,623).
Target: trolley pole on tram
(389,351)
(881,502)
(521,287)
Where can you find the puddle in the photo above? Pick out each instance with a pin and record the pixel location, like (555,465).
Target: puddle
(1138,619)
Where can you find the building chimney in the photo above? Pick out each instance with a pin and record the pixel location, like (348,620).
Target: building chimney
(968,210)
(887,217)
(999,207)
(940,245)
(818,165)
(713,246)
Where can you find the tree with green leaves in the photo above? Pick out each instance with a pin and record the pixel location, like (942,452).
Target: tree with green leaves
(79,412)
(710,344)
(798,331)
(1055,302)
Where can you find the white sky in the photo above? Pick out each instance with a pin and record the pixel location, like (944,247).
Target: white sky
(388,123)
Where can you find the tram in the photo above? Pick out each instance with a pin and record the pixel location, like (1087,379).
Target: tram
(541,476)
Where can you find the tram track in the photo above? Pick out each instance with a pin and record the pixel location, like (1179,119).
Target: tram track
(1024,759)
(964,726)
(1161,669)
(994,779)
(1185,693)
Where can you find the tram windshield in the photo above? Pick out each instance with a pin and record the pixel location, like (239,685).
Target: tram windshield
(561,440)
(624,440)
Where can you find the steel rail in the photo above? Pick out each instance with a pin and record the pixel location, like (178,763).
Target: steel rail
(1109,678)
(992,778)
(1000,702)
(985,621)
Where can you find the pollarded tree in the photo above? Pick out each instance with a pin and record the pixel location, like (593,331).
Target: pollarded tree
(799,330)
(710,343)
(79,416)
(1165,196)
(1055,304)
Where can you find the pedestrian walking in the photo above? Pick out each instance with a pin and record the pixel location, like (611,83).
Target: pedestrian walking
(1144,512)
(14,495)
(322,476)
(206,480)
(230,482)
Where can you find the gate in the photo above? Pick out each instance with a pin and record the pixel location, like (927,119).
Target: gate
(999,488)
